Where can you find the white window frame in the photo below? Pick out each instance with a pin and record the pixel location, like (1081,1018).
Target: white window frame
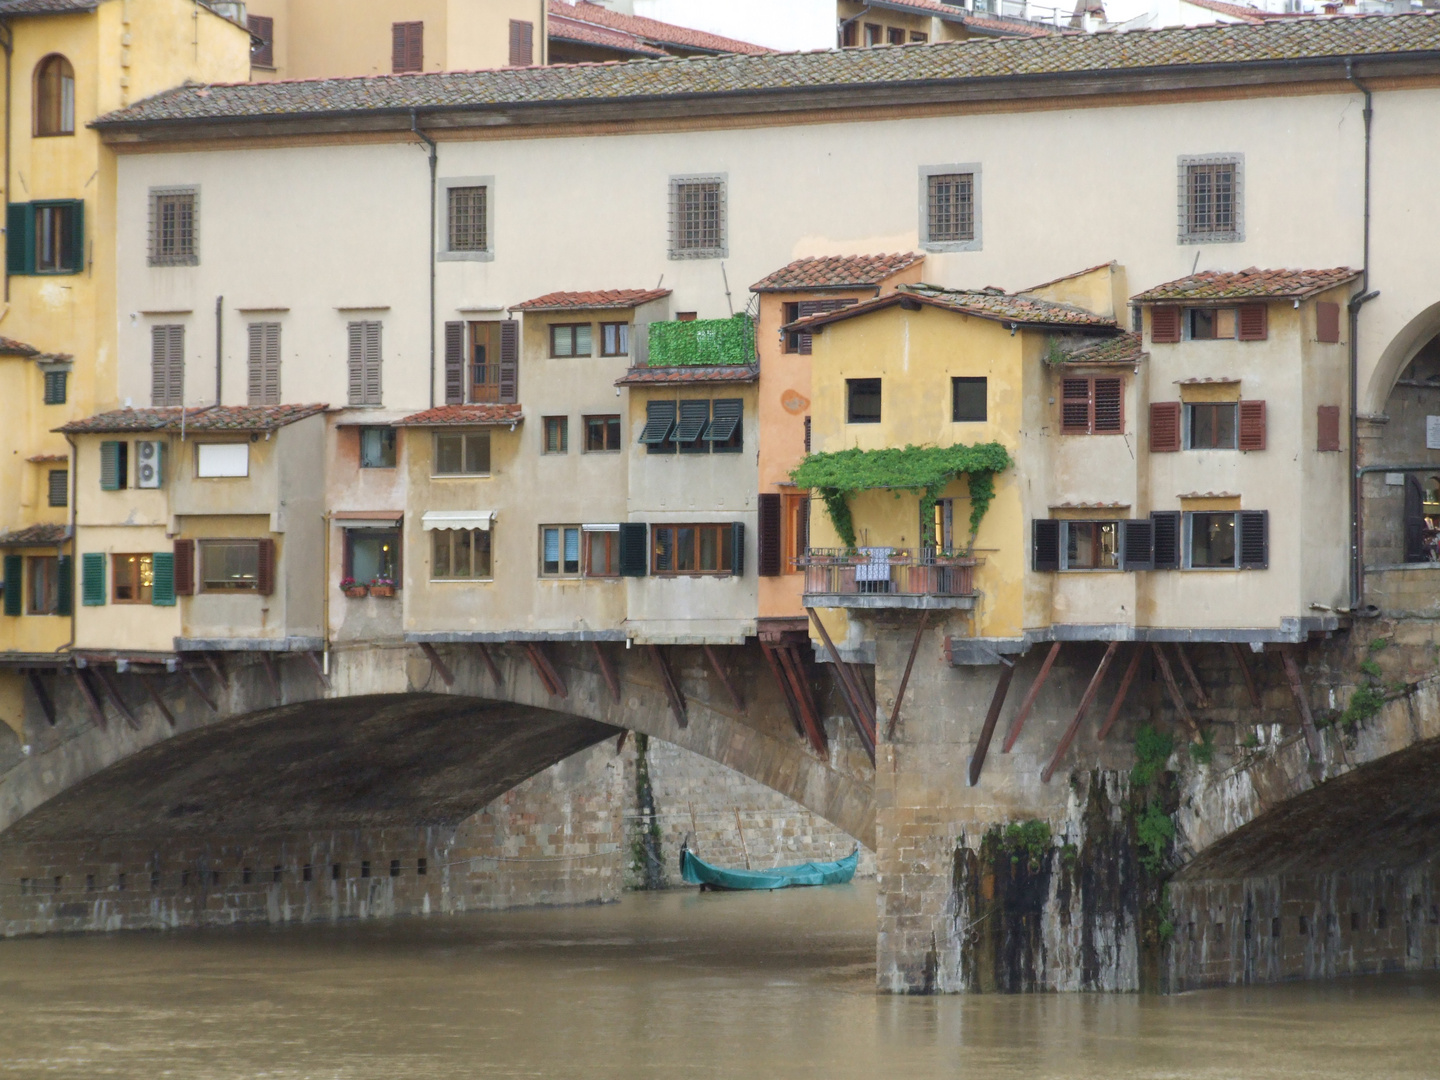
(442,220)
(927,171)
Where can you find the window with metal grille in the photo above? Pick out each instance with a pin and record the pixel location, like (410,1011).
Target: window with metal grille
(950,208)
(407,50)
(1092,405)
(465,219)
(59,487)
(55,387)
(697,217)
(174,227)
(968,399)
(1210,199)
(262,41)
(862,401)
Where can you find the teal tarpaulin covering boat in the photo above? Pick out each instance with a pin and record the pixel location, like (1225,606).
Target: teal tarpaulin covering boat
(697,871)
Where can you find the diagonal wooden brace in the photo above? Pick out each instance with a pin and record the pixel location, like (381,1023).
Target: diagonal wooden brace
(1028,701)
(1244,665)
(800,688)
(149,684)
(489,662)
(672,688)
(1119,702)
(1084,706)
(724,677)
(114,691)
(1302,703)
(855,700)
(432,654)
(905,679)
(987,732)
(43,697)
(97,710)
(548,673)
(1174,688)
(272,675)
(772,657)
(607,672)
(319,669)
(199,689)
(1201,696)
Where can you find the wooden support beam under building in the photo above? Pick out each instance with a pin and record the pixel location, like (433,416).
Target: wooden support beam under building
(724,677)
(905,679)
(554,684)
(1120,695)
(607,672)
(672,688)
(1174,688)
(814,727)
(318,668)
(1080,711)
(772,657)
(861,713)
(489,662)
(987,731)
(114,691)
(42,696)
(272,674)
(436,664)
(1302,703)
(1028,701)
(1201,697)
(97,710)
(1244,665)
(190,677)
(148,682)
(216,664)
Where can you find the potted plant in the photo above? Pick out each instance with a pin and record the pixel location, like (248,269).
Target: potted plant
(353,589)
(382,586)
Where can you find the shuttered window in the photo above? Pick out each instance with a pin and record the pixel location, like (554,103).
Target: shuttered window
(509,362)
(1137,544)
(726,431)
(45,237)
(694,419)
(56,387)
(1252,425)
(65,585)
(263,374)
(92,579)
(1164,427)
(1327,322)
(407,50)
(1165,539)
(1254,322)
(364,363)
(228,566)
(1165,325)
(1254,539)
(1045,544)
(454,363)
(59,487)
(174,227)
(1092,405)
(167,365)
(184,567)
(262,41)
(1327,428)
(697,549)
(522,43)
(659,423)
(1228,540)
(114,466)
(797,341)
(634,549)
(697,217)
(768,523)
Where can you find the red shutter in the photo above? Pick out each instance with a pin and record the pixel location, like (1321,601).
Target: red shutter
(1109,405)
(509,362)
(265,568)
(1165,324)
(1327,322)
(406,46)
(1252,425)
(1164,427)
(1254,322)
(262,40)
(769,542)
(806,308)
(522,43)
(184,567)
(1327,427)
(1075,406)
(454,363)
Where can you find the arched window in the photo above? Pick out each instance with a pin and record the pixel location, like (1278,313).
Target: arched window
(54,96)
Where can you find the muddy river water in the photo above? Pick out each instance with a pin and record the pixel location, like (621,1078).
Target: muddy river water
(659,985)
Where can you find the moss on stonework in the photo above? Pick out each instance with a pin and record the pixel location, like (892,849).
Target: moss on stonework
(646,863)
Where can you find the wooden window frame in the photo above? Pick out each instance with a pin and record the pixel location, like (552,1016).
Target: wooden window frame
(851,385)
(521,43)
(48,567)
(562,532)
(237,586)
(124,572)
(894,35)
(407,47)
(1092,425)
(874,32)
(612,439)
(388,438)
(560,425)
(610,547)
(48,121)
(572,331)
(1188,426)
(464,437)
(1197,223)
(437,536)
(348,557)
(1189,518)
(58,237)
(669,534)
(174,226)
(1069,530)
(620,331)
(794,530)
(57,487)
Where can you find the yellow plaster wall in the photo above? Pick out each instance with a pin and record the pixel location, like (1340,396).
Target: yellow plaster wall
(12,702)
(1101,290)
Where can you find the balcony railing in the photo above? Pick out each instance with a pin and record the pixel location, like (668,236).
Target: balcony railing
(888,577)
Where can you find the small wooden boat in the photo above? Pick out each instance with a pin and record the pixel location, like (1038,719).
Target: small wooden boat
(696,871)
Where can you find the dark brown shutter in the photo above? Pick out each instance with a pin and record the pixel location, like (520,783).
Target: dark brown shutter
(1327,322)
(522,43)
(407,51)
(1327,427)
(509,362)
(769,540)
(1165,539)
(1075,406)
(184,567)
(397,46)
(262,40)
(1254,539)
(1164,427)
(1109,405)
(454,363)
(806,308)
(1045,541)
(265,568)
(1254,322)
(1252,425)
(1165,324)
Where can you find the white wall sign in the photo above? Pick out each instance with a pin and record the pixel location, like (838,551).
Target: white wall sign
(1432,433)
(222,459)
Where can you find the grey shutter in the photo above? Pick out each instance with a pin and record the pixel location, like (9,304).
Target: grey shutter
(20,238)
(372,363)
(1137,544)
(1165,539)
(726,434)
(175,365)
(737,548)
(454,363)
(1254,539)
(355,360)
(74,239)
(1045,540)
(110,466)
(694,418)
(159,383)
(509,362)
(255,362)
(768,523)
(634,549)
(270,368)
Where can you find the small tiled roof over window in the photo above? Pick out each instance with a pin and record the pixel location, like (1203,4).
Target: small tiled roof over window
(984,303)
(11,347)
(1251,284)
(690,373)
(464,416)
(596,300)
(207,418)
(46,7)
(835,272)
(35,536)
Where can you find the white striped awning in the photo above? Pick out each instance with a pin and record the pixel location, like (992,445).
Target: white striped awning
(458,519)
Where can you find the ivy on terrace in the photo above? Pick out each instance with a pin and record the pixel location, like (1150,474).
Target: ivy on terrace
(705,342)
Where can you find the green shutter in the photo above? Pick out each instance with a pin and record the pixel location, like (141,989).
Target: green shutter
(92,579)
(162,592)
(737,547)
(20,238)
(65,593)
(75,241)
(14,583)
(109,466)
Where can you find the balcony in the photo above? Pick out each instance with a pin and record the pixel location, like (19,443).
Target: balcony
(888,578)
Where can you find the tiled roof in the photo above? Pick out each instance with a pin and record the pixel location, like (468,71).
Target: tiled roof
(463,415)
(11,347)
(1242,12)
(691,373)
(682,82)
(650,31)
(47,459)
(1249,284)
(1121,349)
(46,7)
(955,13)
(835,272)
(984,303)
(589,301)
(584,33)
(34,535)
(206,418)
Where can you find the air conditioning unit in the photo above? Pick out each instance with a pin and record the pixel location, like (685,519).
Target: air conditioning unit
(149,464)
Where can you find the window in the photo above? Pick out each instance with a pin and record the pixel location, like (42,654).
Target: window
(372,554)
(849,35)
(174,227)
(262,41)
(466,225)
(949,207)
(690,431)
(407,49)
(794,529)
(364,363)
(560,551)
(697,217)
(967,400)
(602,434)
(486,357)
(1210,426)
(602,550)
(263,364)
(44,574)
(231,565)
(918,37)
(1092,406)
(522,43)
(464,453)
(614,339)
(659,423)
(114,466)
(1212,540)
(862,401)
(1211,199)
(557,434)
(54,96)
(726,431)
(222,460)
(133,578)
(377,448)
(1210,324)
(798,341)
(693,549)
(894,35)
(1091,545)
(59,487)
(874,33)
(167,365)
(571,339)
(55,387)
(45,237)
(459,554)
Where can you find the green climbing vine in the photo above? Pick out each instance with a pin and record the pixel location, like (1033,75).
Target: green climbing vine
(925,470)
(702,341)
(1154,828)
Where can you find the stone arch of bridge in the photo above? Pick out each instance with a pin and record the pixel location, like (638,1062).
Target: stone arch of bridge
(1396,356)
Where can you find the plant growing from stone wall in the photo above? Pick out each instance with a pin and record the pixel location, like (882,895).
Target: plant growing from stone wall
(646,863)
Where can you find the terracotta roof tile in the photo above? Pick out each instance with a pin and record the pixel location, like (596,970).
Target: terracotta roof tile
(11,347)
(1243,12)
(835,272)
(35,535)
(1249,284)
(207,418)
(464,415)
(1109,54)
(584,33)
(1121,349)
(956,13)
(591,301)
(651,31)
(691,373)
(984,303)
(47,459)
(46,7)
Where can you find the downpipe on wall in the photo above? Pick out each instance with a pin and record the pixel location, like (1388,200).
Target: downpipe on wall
(430,247)
(1363,297)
